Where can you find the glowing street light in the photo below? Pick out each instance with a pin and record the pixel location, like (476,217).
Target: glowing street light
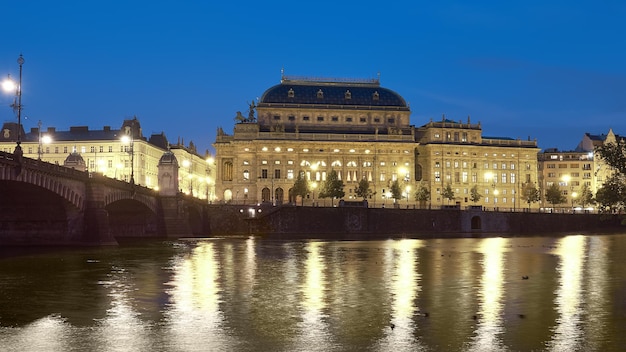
(128,139)
(10,86)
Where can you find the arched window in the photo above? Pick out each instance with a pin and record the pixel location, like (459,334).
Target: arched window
(246,175)
(336,163)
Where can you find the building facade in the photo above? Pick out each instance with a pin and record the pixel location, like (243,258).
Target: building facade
(572,170)
(457,154)
(362,131)
(122,154)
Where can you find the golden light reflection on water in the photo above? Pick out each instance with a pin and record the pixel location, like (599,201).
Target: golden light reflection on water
(567,334)
(195,313)
(50,333)
(402,273)
(252,294)
(489,327)
(313,329)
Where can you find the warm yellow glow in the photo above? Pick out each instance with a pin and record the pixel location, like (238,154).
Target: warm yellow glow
(488,176)
(9,86)
(313,289)
(314,185)
(314,166)
(571,251)
(46,139)
(491,293)
(574,195)
(125,139)
(495,192)
(186,163)
(566,178)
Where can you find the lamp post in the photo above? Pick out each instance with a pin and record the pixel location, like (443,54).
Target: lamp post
(408,192)
(574,195)
(9,85)
(128,139)
(313,187)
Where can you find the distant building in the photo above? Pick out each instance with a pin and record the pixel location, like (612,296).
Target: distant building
(362,131)
(116,153)
(571,170)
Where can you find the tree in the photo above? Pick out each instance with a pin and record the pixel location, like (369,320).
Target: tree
(300,187)
(475,194)
(614,154)
(530,194)
(363,189)
(448,193)
(332,188)
(396,192)
(422,194)
(554,195)
(586,195)
(612,196)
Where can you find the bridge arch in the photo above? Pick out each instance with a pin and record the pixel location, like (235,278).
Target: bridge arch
(70,189)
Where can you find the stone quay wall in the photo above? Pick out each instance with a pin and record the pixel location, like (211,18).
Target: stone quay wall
(365,223)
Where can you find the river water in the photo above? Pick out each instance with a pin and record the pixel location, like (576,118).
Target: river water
(250,294)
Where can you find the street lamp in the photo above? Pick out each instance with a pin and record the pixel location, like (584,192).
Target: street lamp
(43,140)
(574,195)
(128,139)
(407,190)
(313,187)
(9,85)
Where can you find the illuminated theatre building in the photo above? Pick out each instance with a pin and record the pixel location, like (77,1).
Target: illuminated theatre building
(116,153)
(362,130)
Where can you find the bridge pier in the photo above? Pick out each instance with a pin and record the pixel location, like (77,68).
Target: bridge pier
(174,217)
(96,225)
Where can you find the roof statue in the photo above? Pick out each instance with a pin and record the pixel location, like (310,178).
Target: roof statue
(251,117)
(240,118)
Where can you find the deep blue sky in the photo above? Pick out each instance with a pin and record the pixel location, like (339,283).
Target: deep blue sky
(551,70)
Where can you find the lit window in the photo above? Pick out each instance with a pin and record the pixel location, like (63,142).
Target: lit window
(277,149)
(264,149)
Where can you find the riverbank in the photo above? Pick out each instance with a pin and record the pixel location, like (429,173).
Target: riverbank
(366,223)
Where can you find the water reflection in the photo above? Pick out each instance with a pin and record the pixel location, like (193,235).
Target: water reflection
(402,278)
(194,314)
(313,334)
(489,326)
(567,334)
(257,295)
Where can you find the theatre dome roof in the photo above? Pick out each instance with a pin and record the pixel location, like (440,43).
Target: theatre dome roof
(320,91)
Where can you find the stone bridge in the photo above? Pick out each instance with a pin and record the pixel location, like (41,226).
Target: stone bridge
(44,203)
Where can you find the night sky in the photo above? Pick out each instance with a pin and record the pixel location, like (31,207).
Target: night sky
(548,70)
